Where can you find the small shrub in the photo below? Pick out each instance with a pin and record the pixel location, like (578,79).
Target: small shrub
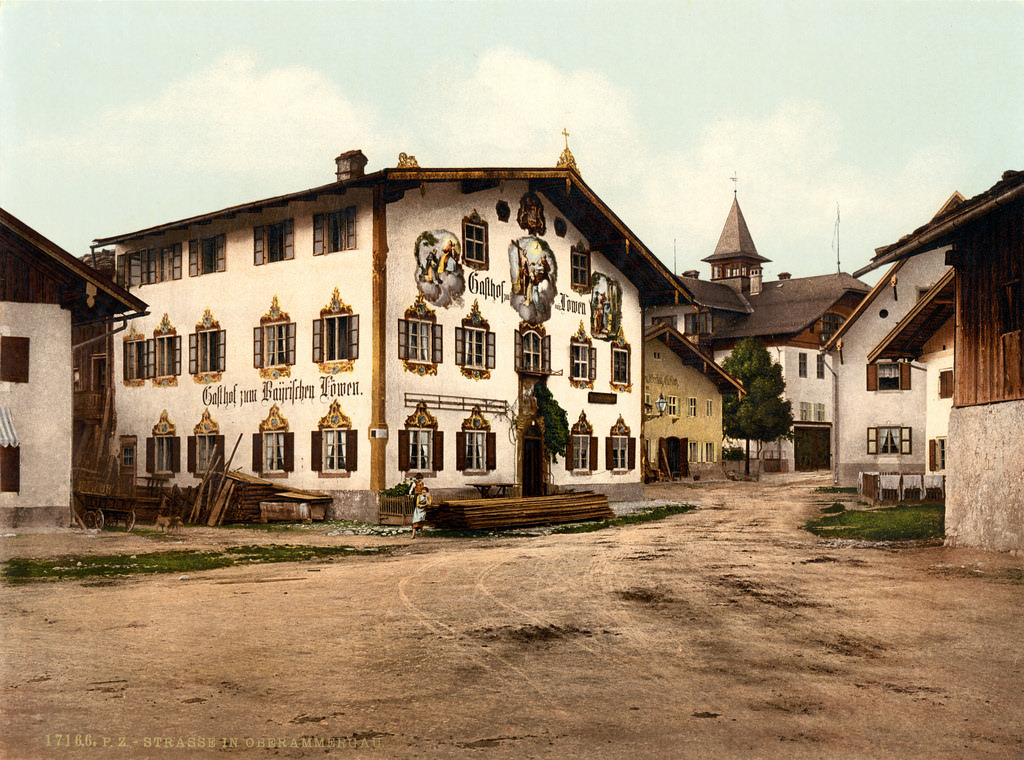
(733,454)
(834,508)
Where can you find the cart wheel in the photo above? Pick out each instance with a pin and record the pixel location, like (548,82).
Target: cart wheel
(93,519)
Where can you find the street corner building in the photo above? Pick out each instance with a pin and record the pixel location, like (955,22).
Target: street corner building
(47,299)
(389,326)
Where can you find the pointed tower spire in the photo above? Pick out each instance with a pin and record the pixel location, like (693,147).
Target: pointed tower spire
(735,255)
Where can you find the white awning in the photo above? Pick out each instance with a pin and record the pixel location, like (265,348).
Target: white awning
(8,435)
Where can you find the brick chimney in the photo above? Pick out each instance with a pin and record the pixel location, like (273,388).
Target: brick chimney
(784,275)
(351,165)
(694,273)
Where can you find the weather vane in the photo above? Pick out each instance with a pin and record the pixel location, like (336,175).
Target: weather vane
(735,184)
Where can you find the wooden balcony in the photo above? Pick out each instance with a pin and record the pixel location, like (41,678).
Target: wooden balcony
(88,406)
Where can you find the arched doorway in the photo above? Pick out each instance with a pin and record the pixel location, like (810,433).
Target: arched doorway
(533,461)
(673,456)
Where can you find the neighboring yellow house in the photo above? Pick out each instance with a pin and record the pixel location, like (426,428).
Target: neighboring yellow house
(683,390)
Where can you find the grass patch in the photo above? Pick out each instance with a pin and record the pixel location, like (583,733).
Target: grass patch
(835,489)
(646,515)
(899,523)
(21,570)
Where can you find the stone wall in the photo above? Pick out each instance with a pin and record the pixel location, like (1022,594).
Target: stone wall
(985,477)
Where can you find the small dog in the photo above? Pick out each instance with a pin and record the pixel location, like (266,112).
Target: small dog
(168,522)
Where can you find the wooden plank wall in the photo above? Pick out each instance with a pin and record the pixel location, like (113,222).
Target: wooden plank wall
(989,362)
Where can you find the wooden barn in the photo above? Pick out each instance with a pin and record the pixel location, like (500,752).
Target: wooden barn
(983,239)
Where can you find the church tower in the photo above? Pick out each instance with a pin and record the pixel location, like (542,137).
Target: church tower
(736,262)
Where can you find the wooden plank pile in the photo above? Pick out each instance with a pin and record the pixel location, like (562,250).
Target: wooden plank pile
(248,492)
(519,512)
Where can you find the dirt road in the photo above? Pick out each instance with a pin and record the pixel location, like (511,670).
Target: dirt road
(725,632)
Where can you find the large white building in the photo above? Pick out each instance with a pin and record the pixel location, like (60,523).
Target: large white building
(391,325)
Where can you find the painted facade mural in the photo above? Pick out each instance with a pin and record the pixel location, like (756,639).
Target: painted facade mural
(534,274)
(605,306)
(439,273)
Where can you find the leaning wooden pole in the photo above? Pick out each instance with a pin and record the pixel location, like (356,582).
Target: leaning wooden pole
(214,518)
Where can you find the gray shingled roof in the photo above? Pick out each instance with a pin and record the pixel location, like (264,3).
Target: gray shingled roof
(716,295)
(789,306)
(736,239)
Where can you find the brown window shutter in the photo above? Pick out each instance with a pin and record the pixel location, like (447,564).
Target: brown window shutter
(10,469)
(460,348)
(14,353)
(438,354)
(872,440)
(593,452)
(491,350)
(318,340)
(351,451)
(193,353)
(609,454)
(460,451)
(904,376)
(190,456)
(593,365)
(318,234)
(177,355)
(193,258)
(569,453)
(438,451)
(290,343)
(403,339)
(492,454)
(150,454)
(257,347)
(289,452)
(872,377)
(257,246)
(257,453)
(176,454)
(403,450)
(518,363)
(905,441)
(545,353)
(316,451)
(353,337)
(931,455)
(632,453)
(946,383)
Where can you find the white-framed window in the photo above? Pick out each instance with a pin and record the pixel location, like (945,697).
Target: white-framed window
(206,351)
(888,377)
(581,452)
(889,440)
(274,451)
(620,452)
(474,241)
(136,359)
(206,255)
(337,338)
(206,449)
(334,442)
(672,405)
(168,355)
(420,335)
(475,442)
(334,231)
(273,242)
(579,265)
(939,457)
(691,407)
(709,452)
(163,460)
(802,359)
(819,413)
(532,354)
(693,455)
(421,449)
(580,360)
(709,408)
(805,411)
(475,347)
(277,344)
(620,365)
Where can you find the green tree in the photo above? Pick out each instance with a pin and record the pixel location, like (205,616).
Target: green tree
(760,414)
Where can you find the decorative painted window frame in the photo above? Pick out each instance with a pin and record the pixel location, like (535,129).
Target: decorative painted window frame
(420,312)
(335,308)
(421,420)
(545,350)
(275,422)
(335,420)
(582,340)
(165,334)
(475,220)
(206,426)
(620,344)
(163,429)
(274,317)
(130,343)
(620,432)
(581,427)
(475,321)
(476,423)
(206,325)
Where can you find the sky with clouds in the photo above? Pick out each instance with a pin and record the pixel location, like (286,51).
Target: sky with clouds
(116,116)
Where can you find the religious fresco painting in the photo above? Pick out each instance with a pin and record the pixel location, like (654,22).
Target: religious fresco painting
(439,275)
(533,272)
(605,306)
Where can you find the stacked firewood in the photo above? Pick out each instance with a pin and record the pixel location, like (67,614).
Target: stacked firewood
(515,512)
